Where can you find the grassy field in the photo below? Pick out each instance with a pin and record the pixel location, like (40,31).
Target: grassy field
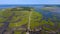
(17,18)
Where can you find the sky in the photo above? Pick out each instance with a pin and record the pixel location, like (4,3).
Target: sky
(29,1)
